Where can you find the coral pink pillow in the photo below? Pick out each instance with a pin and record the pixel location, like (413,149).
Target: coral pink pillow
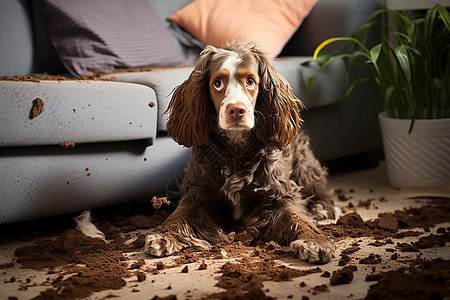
(269,23)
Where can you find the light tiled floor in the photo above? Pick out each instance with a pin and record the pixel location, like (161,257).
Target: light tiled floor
(365,184)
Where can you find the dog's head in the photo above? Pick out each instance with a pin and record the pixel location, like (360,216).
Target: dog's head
(235,89)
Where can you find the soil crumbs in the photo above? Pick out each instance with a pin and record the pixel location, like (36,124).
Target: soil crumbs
(80,265)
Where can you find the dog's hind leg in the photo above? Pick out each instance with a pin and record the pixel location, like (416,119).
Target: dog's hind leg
(311,176)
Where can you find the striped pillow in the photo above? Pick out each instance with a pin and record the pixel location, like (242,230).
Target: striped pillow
(108,34)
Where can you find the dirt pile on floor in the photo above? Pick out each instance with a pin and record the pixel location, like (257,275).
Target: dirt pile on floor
(244,279)
(86,265)
(94,264)
(388,224)
(424,279)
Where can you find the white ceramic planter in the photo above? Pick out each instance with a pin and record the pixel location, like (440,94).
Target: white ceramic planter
(420,159)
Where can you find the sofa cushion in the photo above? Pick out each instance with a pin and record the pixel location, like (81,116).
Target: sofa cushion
(327,89)
(108,34)
(75,111)
(268,23)
(163,81)
(47,180)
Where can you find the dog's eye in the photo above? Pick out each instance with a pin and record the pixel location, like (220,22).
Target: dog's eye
(250,82)
(218,84)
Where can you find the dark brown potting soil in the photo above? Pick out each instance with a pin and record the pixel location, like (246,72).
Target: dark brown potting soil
(85,265)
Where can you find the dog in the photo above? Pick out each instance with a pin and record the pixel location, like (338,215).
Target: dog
(251,164)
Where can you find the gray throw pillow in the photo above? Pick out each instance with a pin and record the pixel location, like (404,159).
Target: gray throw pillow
(109,34)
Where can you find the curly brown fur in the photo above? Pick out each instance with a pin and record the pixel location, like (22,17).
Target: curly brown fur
(250,166)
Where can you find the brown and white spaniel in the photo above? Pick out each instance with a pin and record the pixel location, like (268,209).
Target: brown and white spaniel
(250,165)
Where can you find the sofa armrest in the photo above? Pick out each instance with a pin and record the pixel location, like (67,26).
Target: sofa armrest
(78,111)
(329,18)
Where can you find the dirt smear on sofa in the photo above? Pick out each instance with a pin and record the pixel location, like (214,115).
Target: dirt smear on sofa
(37,108)
(59,78)
(81,266)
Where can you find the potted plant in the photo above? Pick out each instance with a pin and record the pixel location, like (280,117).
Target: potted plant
(410,68)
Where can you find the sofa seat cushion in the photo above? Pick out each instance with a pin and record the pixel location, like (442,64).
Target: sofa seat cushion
(162,80)
(327,89)
(75,111)
(48,180)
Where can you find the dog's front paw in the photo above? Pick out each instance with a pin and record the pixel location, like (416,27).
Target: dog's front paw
(314,252)
(162,245)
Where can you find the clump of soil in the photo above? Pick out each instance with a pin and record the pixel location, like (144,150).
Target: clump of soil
(343,276)
(67,145)
(388,221)
(433,240)
(37,108)
(372,259)
(341,195)
(424,279)
(158,202)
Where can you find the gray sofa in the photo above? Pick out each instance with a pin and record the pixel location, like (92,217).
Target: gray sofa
(122,152)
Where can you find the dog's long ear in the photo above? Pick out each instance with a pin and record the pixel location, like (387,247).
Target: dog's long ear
(190,120)
(280,119)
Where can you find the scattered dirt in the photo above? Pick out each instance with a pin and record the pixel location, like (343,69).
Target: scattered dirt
(67,145)
(48,77)
(37,108)
(388,224)
(158,202)
(243,280)
(341,195)
(84,265)
(424,279)
(433,240)
(95,76)
(95,265)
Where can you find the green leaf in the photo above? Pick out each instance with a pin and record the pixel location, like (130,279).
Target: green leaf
(337,39)
(352,87)
(443,13)
(375,53)
(403,59)
(310,80)
(388,93)
(325,64)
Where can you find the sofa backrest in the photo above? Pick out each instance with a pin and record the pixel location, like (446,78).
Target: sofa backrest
(47,59)
(25,45)
(17,55)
